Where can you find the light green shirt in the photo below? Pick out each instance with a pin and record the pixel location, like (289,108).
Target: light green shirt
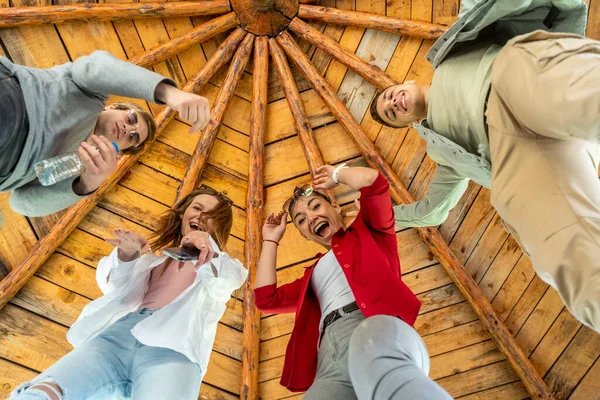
(458,94)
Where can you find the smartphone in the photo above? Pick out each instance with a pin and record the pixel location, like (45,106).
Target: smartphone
(184,253)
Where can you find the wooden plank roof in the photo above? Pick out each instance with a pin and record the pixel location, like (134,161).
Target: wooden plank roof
(464,359)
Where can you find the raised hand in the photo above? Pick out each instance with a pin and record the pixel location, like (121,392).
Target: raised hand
(100,161)
(129,244)
(201,241)
(274,227)
(191,107)
(323,178)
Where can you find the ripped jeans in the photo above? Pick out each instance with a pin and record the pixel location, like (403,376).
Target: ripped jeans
(115,365)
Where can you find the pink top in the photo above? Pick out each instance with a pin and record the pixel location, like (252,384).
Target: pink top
(167,281)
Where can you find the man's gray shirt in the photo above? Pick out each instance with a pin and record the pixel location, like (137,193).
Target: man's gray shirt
(63,104)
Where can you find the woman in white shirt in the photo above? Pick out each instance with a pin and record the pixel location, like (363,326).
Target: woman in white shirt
(150,336)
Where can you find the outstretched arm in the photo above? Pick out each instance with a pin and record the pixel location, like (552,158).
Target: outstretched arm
(269,297)
(273,231)
(445,190)
(102,74)
(116,269)
(376,204)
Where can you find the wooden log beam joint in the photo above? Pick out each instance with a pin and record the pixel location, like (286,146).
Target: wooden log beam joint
(431,236)
(265,17)
(420,29)
(27,16)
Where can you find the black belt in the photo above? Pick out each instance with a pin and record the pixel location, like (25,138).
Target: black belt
(337,314)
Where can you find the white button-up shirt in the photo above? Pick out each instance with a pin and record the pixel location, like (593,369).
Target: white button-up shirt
(203,302)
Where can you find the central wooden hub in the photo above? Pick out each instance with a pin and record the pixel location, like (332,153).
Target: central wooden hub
(265,17)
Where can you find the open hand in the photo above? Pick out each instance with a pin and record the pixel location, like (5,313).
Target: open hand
(323,178)
(100,162)
(274,227)
(201,241)
(129,244)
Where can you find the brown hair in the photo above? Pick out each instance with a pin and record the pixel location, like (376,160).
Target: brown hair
(146,116)
(168,232)
(373,110)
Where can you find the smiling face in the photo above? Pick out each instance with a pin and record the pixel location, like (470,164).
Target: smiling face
(400,105)
(120,126)
(316,219)
(192,219)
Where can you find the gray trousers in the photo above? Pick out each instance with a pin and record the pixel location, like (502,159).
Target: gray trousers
(380,357)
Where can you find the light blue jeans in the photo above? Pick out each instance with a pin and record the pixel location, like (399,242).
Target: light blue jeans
(115,365)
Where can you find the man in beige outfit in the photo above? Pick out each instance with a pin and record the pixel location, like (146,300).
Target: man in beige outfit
(521,117)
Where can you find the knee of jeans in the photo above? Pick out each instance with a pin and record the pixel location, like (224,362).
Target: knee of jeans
(32,390)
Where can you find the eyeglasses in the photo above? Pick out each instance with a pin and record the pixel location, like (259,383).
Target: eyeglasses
(219,195)
(300,191)
(133,137)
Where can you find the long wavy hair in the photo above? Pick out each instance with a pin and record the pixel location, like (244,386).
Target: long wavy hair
(168,232)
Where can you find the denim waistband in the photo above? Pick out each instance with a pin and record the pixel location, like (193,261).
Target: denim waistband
(145,311)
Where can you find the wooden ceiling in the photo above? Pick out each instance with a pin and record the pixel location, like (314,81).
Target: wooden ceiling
(465,361)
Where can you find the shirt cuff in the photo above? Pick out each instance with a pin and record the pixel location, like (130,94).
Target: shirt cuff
(264,291)
(168,81)
(121,269)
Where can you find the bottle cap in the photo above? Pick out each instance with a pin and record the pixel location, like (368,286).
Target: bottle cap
(116,146)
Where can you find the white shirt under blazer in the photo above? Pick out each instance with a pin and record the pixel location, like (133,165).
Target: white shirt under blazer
(187,325)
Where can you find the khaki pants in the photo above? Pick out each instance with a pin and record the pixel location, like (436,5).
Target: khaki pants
(543,116)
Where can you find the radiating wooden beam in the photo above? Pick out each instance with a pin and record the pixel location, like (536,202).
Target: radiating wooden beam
(207,138)
(431,236)
(254,218)
(15,280)
(181,43)
(420,29)
(26,16)
(371,73)
(292,95)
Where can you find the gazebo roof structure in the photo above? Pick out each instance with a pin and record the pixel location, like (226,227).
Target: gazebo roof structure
(289,83)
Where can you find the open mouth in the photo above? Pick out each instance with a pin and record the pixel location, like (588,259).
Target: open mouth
(196,227)
(322,229)
(117,131)
(403,102)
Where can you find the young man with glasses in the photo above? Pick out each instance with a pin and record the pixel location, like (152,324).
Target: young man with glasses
(353,335)
(50,112)
(521,118)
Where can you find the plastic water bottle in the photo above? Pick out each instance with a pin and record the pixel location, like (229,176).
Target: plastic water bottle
(59,168)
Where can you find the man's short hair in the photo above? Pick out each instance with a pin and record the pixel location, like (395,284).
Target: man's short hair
(146,116)
(373,109)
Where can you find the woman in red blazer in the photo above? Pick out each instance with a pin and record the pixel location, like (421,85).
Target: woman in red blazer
(353,335)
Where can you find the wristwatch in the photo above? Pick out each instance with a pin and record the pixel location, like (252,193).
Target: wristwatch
(337,169)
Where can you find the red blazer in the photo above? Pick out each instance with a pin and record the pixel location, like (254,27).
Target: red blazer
(368,254)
